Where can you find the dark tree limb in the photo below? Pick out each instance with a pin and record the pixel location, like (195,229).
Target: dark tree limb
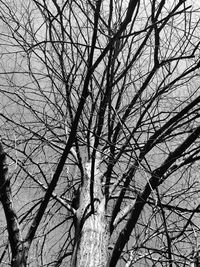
(19,255)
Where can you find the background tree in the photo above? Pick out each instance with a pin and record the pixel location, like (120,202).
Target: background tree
(100,124)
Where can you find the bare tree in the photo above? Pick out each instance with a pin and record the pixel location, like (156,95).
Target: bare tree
(100,126)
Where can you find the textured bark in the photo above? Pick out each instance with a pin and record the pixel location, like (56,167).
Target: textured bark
(92,234)
(19,253)
(92,247)
(20,259)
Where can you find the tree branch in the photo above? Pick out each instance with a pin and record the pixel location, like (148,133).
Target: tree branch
(14,232)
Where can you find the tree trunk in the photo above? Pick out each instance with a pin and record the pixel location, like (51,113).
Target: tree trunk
(19,253)
(92,232)
(20,259)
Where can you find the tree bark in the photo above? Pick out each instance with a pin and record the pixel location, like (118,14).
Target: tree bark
(92,232)
(19,253)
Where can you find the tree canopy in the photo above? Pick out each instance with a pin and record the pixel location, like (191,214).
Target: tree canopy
(100,113)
